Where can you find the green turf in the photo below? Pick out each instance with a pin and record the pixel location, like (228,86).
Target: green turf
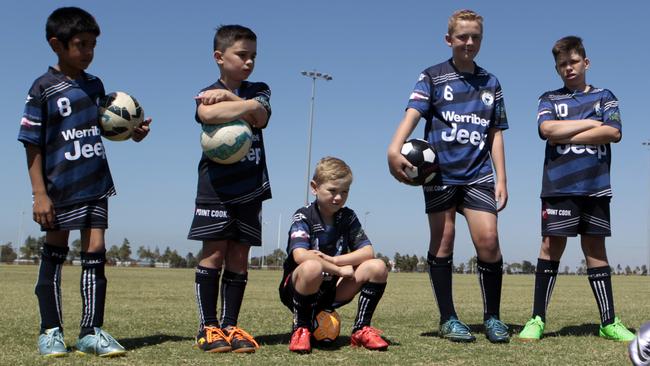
(152,312)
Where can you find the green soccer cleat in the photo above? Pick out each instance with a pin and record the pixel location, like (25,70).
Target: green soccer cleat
(533,330)
(100,343)
(496,331)
(456,331)
(616,332)
(51,344)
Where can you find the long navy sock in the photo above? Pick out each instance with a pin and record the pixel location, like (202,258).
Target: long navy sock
(93,291)
(440,270)
(600,280)
(48,286)
(233,286)
(369,297)
(206,287)
(490,278)
(545,277)
(303,310)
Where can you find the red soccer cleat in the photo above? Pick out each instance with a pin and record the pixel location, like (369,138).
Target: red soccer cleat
(369,338)
(300,341)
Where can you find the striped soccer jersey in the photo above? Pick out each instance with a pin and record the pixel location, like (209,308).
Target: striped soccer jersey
(246,180)
(61,118)
(308,231)
(459,110)
(573,169)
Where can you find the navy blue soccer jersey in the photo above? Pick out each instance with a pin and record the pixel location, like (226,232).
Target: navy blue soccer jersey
(459,109)
(308,231)
(246,180)
(61,118)
(573,169)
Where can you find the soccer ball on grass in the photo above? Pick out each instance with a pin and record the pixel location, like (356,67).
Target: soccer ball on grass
(327,326)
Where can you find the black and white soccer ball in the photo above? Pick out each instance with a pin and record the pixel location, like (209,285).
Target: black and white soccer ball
(119,114)
(639,348)
(423,158)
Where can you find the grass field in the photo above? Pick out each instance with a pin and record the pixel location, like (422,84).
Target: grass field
(153,314)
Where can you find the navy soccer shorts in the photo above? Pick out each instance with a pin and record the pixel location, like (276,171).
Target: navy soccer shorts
(570,216)
(87,215)
(476,197)
(241,222)
(326,293)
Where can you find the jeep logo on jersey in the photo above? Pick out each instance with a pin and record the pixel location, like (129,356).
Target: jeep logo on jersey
(600,150)
(487,97)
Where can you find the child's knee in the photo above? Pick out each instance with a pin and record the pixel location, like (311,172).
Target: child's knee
(376,270)
(310,270)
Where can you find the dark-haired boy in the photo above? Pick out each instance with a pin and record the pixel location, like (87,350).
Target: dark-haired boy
(330,260)
(227,218)
(70,179)
(465,117)
(578,122)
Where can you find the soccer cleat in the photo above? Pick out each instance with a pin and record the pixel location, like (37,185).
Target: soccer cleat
(240,341)
(300,341)
(616,332)
(456,331)
(99,343)
(533,330)
(211,339)
(51,343)
(496,331)
(370,338)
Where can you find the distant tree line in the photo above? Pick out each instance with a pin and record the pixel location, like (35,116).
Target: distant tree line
(145,256)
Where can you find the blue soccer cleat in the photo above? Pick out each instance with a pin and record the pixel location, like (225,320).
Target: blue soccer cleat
(496,331)
(51,344)
(100,343)
(456,331)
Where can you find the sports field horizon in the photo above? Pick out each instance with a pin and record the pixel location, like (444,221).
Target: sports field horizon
(152,312)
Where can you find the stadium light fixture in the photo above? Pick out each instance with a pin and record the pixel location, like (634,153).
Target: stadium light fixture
(646,144)
(314,75)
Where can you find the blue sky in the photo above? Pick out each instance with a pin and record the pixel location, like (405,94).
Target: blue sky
(160,52)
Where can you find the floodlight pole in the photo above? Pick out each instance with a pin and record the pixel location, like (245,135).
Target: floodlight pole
(313,75)
(646,144)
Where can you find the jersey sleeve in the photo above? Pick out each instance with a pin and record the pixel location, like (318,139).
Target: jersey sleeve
(545,112)
(421,95)
(299,233)
(500,119)
(357,237)
(34,115)
(263,96)
(611,113)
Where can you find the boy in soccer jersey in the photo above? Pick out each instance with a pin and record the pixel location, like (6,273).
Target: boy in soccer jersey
(227,217)
(578,122)
(465,118)
(70,179)
(330,260)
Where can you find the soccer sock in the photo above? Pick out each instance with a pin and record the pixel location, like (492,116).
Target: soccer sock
(93,291)
(303,310)
(545,277)
(206,287)
(369,297)
(233,286)
(490,276)
(48,286)
(440,269)
(600,280)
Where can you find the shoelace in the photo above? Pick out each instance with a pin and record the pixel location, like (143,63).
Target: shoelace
(497,325)
(370,331)
(56,337)
(213,334)
(238,333)
(458,327)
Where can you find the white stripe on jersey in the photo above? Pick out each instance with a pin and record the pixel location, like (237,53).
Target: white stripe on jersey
(250,196)
(48,92)
(603,193)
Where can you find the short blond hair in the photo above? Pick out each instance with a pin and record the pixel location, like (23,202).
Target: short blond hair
(330,168)
(463,14)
